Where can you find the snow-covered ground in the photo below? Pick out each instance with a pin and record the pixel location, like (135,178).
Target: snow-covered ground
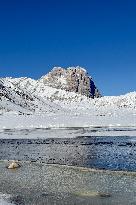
(64,120)
(13,125)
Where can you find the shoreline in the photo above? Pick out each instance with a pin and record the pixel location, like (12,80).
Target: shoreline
(79,168)
(67,132)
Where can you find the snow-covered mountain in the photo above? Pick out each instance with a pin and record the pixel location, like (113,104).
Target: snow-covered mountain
(55,92)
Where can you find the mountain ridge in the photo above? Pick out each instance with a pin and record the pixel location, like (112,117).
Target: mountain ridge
(26,95)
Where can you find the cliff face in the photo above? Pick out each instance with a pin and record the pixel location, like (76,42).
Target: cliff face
(73,79)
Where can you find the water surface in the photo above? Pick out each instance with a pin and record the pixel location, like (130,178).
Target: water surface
(114,153)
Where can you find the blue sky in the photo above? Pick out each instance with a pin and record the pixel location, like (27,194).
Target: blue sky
(100,35)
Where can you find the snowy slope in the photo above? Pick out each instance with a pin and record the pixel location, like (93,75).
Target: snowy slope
(37,88)
(16,98)
(25,94)
(127,101)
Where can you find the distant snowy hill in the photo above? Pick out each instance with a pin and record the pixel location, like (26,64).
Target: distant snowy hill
(13,97)
(53,94)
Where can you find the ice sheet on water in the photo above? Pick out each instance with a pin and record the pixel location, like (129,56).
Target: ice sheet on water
(5,199)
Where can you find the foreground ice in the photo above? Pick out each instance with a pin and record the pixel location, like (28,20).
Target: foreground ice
(4,199)
(38,184)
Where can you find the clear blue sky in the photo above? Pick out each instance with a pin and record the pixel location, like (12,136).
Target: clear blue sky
(100,35)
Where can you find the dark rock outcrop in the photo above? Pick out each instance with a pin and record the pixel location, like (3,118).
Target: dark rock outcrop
(73,79)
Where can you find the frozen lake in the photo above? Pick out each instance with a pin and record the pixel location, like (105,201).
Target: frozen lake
(112,153)
(42,184)
(101,172)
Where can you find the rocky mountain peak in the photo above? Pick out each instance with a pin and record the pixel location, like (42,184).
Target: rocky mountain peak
(72,79)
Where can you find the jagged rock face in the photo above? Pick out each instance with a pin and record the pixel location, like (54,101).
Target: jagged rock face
(73,79)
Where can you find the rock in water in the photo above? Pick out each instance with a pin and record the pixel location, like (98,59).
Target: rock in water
(73,79)
(92,194)
(14,165)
